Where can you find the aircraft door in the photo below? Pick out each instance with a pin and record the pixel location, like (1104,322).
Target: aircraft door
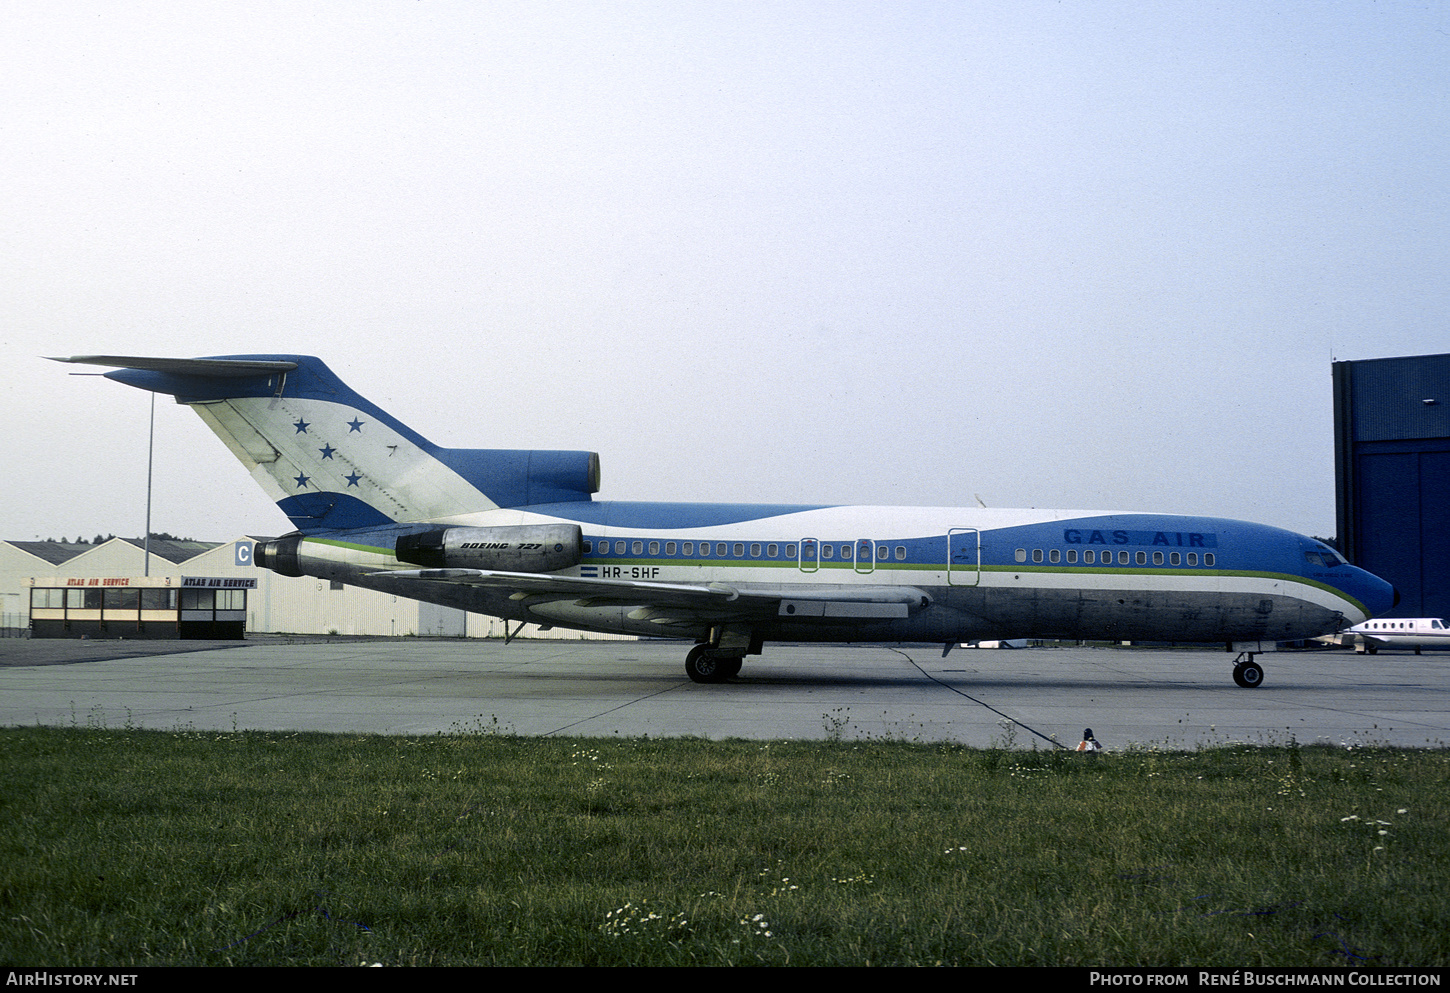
(810,559)
(865,555)
(964,557)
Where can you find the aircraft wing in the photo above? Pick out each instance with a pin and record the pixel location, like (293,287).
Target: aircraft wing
(669,603)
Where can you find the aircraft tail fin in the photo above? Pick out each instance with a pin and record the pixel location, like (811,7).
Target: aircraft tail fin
(332,459)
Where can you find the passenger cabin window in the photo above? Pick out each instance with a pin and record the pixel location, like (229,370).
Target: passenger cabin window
(901,553)
(1021,555)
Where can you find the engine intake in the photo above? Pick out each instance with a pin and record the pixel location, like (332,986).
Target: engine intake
(523,548)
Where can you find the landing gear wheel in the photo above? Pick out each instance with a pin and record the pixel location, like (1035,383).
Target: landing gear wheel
(1248,674)
(702,666)
(732,666)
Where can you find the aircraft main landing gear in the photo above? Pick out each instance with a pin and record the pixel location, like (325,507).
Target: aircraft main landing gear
(1247,672)
(706,665)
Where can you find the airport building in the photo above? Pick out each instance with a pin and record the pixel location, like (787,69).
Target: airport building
(73,589)
(1392,475)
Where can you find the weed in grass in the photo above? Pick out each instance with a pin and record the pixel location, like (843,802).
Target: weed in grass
(836,723)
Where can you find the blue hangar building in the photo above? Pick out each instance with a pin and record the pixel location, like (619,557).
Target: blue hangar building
(1392,475)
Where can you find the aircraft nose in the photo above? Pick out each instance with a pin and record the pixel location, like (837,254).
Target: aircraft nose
(1379,597)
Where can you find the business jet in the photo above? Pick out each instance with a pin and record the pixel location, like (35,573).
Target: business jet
(519,535)
(1397,632)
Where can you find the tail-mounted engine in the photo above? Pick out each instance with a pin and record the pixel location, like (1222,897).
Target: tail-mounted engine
(524,548)
(280,555)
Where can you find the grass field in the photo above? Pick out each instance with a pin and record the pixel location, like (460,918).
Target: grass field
(128,847)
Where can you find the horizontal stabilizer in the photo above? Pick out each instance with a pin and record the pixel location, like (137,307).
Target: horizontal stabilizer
(186,367)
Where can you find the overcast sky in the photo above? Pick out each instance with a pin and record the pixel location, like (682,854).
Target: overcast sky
(1076,254)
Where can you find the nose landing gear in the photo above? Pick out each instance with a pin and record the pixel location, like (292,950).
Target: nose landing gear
(1247,672)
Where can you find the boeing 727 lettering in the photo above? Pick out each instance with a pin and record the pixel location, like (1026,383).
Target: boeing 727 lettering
(519,535)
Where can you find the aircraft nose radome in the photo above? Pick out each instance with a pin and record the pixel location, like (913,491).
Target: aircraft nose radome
(1380,596)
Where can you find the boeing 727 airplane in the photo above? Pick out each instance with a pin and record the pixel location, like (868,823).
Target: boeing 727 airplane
(519,535)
